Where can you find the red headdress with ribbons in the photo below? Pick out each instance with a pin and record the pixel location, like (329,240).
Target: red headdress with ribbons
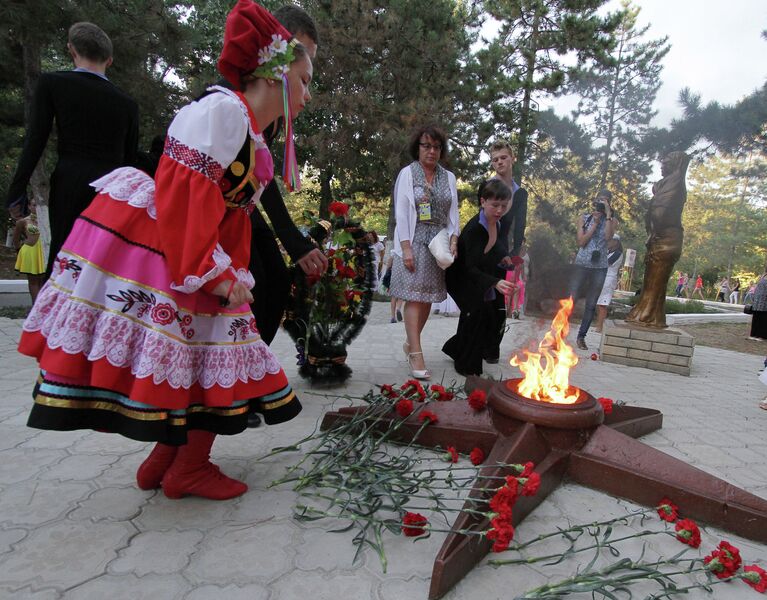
(256,45)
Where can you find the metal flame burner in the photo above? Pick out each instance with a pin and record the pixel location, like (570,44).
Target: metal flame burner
(586,412)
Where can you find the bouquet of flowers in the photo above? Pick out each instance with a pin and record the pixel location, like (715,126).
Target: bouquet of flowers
(327,312)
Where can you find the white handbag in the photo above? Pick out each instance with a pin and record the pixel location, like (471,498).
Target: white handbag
(440,249)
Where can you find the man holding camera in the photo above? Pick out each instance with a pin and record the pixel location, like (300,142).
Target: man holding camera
(594,229)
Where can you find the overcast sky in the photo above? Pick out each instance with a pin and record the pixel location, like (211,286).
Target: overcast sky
(716,49)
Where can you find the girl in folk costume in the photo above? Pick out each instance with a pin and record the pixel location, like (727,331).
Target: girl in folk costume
(144,328)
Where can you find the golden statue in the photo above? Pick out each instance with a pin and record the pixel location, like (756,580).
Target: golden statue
(663,222)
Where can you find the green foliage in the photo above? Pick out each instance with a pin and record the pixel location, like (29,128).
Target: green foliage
(528,57)
(725,218)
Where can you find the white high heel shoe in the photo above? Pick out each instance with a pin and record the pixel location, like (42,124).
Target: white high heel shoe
(417,373)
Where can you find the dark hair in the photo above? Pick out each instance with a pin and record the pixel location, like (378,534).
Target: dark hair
(90,41)
(296,20)
(495,189)
(605,194)
(435,133)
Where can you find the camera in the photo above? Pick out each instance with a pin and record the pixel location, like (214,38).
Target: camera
(600,207)
(595,256)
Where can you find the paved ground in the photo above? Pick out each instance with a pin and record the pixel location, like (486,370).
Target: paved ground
(73,525)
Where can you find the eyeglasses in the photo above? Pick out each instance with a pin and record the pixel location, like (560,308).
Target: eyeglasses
(427,147)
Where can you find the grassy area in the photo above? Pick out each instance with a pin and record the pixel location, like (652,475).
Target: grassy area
(14,312)
(675,307)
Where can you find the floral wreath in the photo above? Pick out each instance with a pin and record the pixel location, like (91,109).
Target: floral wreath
(274,60)
(326,313)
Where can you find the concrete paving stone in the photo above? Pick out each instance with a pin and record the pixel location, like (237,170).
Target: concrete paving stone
(13,437)
(229,592)
(111,504)
(151,587)
(33,503)
(157,552)
(9,537)
(263,505)
(239,553)
(28,593)
(19,465)
(160,513)
(703,417)
(95,442)
(54,439)
(64,554)
(299,584)
(313,553)
(79,467)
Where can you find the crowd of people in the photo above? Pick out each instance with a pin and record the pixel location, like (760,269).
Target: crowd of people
(165,286)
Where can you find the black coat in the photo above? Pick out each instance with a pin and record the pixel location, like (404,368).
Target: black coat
(473,273)
(97,131)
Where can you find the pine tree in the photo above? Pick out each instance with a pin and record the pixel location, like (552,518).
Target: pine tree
(616,105)
(536,41)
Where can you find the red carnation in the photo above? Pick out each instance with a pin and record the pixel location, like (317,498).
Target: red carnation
(594,356)
(350,272)
(502,533)
(517,260)
(339,209)
(404,408)
(441,394)
(388,390)
(451,454)
(530,487)
(504,499)
(607,405)
(413,524)
(478,399)
(724,561)
(527,469)
(477,457)
(428,415)
(414,386)
(668,511)
(687,532)
(756,577)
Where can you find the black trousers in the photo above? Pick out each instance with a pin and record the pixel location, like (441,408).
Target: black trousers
(272,277)
(496,312)
(470,343)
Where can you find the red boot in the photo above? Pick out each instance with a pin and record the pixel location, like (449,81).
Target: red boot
(152,470)
(192,473)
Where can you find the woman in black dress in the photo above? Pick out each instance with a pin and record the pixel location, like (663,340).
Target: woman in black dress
(472,282)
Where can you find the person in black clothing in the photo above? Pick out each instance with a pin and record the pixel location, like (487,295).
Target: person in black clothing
(473,280)
(512,233)
(97,127)
(266,263)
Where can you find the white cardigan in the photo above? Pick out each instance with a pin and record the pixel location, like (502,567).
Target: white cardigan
(405,209)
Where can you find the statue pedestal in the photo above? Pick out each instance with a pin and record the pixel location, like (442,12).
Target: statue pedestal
(637,346)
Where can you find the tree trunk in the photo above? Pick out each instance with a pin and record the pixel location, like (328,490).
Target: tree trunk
(525,125)
(326,194)
(605,167)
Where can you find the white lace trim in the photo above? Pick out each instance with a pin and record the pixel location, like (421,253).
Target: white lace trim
(129,185)
(78,328)
(192,283)
(244,276)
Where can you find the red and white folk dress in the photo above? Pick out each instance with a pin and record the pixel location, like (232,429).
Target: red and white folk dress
(128,335)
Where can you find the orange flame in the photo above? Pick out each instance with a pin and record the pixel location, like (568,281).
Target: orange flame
(547,372)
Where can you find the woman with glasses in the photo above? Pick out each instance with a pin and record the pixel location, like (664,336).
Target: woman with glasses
(425,202)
